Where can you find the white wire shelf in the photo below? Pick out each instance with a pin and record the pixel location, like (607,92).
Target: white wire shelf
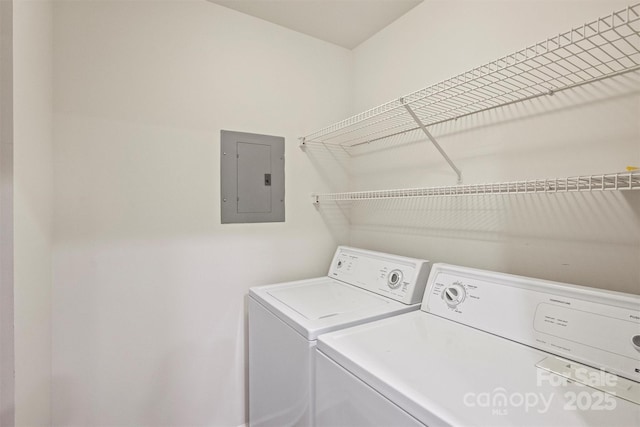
(606,182)
(599,49)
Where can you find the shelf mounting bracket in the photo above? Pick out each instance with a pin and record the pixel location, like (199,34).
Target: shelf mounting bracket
(432,139)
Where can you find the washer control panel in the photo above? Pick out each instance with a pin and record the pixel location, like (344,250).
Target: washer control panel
(454,294)
(401,278)
(597,327)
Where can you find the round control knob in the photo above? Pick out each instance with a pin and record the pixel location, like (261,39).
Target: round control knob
(454,294)
(635,340)
(394,279)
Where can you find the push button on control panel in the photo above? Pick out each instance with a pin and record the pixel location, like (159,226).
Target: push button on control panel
(635,340)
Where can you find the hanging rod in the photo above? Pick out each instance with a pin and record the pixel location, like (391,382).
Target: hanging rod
(599,49)
(605,182)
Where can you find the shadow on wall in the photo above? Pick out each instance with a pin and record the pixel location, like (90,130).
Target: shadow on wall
(590,129)
(593,218)
(337,218)
(582,238)
(332,163)
(633,199)
(616,88)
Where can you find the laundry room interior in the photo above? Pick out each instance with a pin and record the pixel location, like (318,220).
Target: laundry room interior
(123,291)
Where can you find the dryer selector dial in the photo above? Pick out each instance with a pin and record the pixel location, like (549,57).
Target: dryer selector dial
(454,294)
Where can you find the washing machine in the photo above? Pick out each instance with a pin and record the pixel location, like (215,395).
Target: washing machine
(286,319)
(487,349)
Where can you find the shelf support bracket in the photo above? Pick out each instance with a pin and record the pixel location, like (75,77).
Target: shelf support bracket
(432,139)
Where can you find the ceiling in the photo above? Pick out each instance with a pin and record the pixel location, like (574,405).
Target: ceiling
(346,23)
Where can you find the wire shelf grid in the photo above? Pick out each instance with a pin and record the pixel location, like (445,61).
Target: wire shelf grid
(596,50)
(605,182)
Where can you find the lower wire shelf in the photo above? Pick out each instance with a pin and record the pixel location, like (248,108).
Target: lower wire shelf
(605,182)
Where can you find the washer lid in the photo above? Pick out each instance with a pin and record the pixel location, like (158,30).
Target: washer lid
(316,306)
(325,299)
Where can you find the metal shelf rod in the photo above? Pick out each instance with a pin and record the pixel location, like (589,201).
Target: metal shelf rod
(605,182)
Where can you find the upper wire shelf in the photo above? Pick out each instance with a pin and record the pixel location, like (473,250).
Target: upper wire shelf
(598,49)
(605,182)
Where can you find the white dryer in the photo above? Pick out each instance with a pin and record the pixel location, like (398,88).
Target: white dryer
(487,349)
(285,320)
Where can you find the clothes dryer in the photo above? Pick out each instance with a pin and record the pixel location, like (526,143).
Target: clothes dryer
(487,349)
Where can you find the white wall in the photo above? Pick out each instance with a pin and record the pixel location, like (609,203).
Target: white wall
(33,211)
(149,288)
(589,239)
(7,375)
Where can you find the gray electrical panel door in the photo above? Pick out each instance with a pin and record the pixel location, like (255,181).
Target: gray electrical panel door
(254,163)
(252,177)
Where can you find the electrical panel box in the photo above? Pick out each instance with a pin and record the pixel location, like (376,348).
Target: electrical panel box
(251,177)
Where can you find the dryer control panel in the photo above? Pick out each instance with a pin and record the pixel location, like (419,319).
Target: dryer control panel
(597,327)
(400,278)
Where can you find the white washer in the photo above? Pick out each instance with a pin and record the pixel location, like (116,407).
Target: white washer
(285,320)
(487,349)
